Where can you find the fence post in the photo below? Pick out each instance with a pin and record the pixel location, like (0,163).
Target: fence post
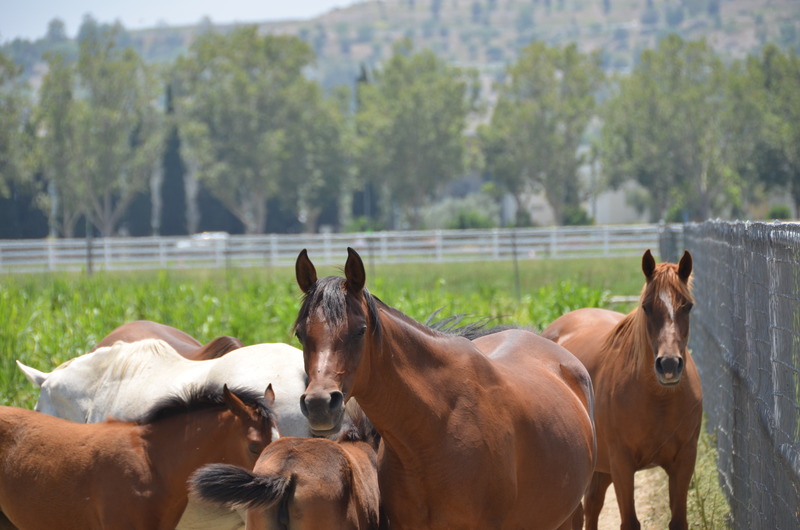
(162,256)
(554,242)
(437,237)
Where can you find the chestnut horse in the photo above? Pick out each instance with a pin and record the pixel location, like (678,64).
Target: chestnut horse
(59,474)
(303,483)
(183,343)
(491,433)
(649,403)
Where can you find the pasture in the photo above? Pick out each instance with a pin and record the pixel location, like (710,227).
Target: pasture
(48,319)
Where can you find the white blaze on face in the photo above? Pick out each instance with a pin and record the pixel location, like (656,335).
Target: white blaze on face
(666,299)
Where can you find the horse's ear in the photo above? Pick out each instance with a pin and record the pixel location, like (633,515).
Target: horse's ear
(305,271)
(269,395)
(685,266)
(33,375)
(354,271)
(648,264)
(234,404)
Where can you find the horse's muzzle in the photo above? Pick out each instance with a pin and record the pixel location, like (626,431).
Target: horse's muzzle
(669,370)
(324,411)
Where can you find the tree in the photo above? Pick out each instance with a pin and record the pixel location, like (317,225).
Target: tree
(410,128)
(531,143)
(317,155)
(101,138)
(238,102)
(54,116)
(778,159)
(667,128)
(13,137)
(173,190)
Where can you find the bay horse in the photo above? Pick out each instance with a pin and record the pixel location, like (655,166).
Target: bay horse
(491,433)
(59,474)
(303,483)
(649,402)
(183,343)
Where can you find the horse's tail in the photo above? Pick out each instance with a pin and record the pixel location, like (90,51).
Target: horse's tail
(236,487)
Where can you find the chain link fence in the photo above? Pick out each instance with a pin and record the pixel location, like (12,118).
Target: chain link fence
(745,339)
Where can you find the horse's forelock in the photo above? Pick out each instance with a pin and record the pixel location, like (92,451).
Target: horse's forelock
(665,278)
(330,296)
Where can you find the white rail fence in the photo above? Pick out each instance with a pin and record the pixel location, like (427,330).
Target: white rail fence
(218,250)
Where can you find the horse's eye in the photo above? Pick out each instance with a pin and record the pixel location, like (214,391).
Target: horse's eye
(647,307)
(687,307)
(360,332)
(254,448)
(298,337)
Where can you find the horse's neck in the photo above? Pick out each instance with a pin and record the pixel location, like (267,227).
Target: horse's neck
(412,378)
(178,445)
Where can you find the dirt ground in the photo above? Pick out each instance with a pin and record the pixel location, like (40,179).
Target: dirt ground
(651,495)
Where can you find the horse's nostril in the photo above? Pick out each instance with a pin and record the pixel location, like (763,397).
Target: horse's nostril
(337,400)
(303,406)
(669,365)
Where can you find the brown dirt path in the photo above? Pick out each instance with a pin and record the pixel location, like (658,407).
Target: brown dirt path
(651,494)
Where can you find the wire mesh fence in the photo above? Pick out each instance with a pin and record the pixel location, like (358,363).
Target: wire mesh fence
(745,339)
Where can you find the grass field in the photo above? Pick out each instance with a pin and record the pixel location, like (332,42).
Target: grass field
(48,319)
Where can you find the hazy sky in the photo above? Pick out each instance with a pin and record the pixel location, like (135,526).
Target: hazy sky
(29,18)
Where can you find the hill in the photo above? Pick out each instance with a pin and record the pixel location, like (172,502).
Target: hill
(488,34)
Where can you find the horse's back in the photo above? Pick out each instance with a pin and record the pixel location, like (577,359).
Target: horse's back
(147,329)
(521,355)
(583,332)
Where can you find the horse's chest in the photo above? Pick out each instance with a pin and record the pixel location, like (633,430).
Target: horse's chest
(649,428)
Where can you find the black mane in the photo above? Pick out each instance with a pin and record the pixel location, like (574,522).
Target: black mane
(196,398)
(452,326)
(330,294)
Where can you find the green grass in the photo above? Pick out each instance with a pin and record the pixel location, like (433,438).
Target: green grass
(51,318)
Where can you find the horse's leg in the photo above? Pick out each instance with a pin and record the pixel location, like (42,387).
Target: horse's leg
(595,498)
(622,472)
(680,476)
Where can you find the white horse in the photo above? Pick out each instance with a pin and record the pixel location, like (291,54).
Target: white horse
(125,380)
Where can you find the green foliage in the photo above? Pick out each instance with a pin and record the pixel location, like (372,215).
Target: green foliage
(261,129)
(779,212)
(117,131)
(473,211)
(668,127)
(542,112)
(48,319)
(13,138)
(707,505)
(410,121)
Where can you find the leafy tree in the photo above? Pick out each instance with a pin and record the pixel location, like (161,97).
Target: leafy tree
(57,145)
(242,103)
(173,190)
(410,128)
(13,136)
(531,143)
(667,127)
(105,135)
(778,158)
(18,187)
(317,150)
